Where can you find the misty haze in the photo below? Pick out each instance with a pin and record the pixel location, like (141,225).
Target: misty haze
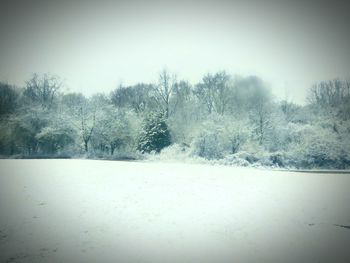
(163,131)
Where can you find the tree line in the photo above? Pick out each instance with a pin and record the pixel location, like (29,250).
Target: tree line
(223,117)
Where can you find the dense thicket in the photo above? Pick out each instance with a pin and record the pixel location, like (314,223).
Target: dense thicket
(222,117)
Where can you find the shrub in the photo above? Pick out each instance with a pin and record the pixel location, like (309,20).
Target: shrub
(277,159)
(209,141)
(234,160)
(320,148)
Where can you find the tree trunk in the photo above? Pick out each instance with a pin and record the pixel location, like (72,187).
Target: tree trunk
(12,147)
(86,146)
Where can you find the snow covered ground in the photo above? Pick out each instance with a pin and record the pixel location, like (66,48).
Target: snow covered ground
(108,211)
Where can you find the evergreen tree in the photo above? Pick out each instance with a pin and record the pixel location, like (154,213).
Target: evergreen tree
(154,135)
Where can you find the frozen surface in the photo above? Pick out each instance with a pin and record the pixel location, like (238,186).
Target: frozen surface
(105,211)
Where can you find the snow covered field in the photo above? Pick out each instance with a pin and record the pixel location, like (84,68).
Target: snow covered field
(106,211)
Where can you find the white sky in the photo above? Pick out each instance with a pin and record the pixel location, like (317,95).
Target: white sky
(94,46)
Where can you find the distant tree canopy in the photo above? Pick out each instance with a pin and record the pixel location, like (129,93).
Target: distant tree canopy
(332,95)
(214,92)
(138,98)
(42,89)
(221,117)
(9,97)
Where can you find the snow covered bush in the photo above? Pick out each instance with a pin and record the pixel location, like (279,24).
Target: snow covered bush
(54,139)
(175,153)
(112,131)
(233,160)
(209,140)
(25,126)
(236,133)
(249,157)
(278,159)
(154,135)
(208,145)
(320,147)
(218,136)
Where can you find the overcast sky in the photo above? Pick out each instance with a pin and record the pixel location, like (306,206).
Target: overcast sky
(96,45)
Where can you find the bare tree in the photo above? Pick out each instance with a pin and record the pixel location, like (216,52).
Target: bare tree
(332,96)
(259,104)
(164,90)
(182,94)
(214,92)
(42,89)
(82,113)
(289,109)
(137,97)
(87,126)
(262,119)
